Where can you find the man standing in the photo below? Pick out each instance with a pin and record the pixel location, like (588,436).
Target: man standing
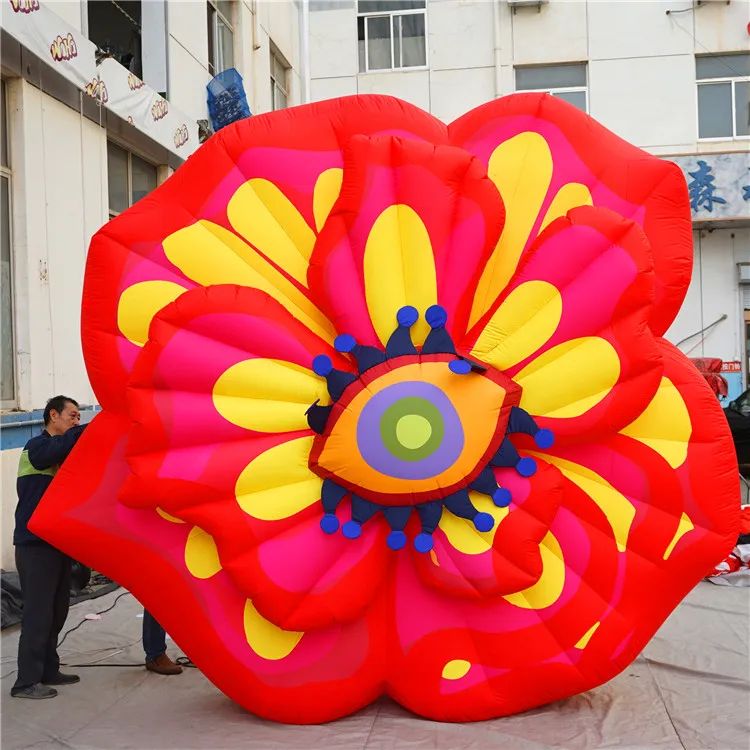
(155,646)
(44,571)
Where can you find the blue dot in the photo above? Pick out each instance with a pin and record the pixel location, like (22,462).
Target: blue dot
(502,497)
(396,539)
(322,365)
(436,316)
(407,316)
(544,438)
(483,522)
(345,343)
(423,542)
(460,367)
(329,523)
(351,529)
(526,467)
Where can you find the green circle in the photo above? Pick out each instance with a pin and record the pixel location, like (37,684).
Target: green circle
(413,431)
(411,406)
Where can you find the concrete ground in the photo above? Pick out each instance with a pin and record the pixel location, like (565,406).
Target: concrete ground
(689,689)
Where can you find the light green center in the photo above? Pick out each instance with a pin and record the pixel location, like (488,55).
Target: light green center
(413,431)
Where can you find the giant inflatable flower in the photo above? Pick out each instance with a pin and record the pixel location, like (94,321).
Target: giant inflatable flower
(386,409)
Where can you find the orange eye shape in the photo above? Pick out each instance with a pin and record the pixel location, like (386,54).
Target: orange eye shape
(416,429)
(416,432)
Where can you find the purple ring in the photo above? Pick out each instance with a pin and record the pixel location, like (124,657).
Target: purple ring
(379,458)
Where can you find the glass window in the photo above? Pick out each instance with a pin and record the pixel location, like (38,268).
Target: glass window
(391,34)
(143,178)
(4,158)
(220,36)
(129,178)
(7,332)
(7,321)
(723,95)
(279,82)
(568,82)
(117,178)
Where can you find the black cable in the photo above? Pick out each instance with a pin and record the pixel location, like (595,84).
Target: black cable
(104,611)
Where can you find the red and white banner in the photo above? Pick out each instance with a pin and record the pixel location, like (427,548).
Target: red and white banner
(34,25)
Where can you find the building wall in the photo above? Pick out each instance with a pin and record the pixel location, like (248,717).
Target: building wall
(60,196)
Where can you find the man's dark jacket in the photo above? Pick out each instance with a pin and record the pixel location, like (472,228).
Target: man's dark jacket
(40,460)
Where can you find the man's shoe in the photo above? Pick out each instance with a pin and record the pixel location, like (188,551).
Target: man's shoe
(163,665)
(35,692)
(61,679)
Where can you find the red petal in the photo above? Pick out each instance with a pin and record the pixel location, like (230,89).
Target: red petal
(649,190)
(328,674)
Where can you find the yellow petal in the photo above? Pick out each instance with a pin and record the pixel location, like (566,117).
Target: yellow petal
(586,637)
(548,588)
(201,555)
(327,189)
(210,254)
(683,527)
(462,534)
(615,506)
(522,324)
(399,270)
(569,196)
(268,220)
(665,425)
(278,483)
(267,395)
(521,168)
(167,517)
(456,669)
(569,379)
(265,638)
(139,303)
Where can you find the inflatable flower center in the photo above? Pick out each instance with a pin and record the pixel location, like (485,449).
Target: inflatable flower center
(427,427)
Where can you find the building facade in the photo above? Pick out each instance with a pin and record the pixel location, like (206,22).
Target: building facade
(670,76)
(101,102)
(103,99)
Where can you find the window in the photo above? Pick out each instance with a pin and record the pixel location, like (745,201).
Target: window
(220,36)
(279,82)
(129,178)
(7,328)
(115,28)
(566,82)
(723,96)
(391,34)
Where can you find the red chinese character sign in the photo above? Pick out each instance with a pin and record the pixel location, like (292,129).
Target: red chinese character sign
(386,409)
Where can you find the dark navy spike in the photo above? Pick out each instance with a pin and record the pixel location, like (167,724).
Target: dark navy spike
(507,455)
(366,356)
(487,485)
(317,416)
(522,422)
(438,340)
(330,496)
(429,514)
(337,380)
(397,517)
(362,511)
(400,343)
(460,505)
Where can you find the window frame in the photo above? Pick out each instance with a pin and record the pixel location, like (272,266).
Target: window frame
(731,80)
(276,56)
(557,89)
(214,12)
(6,172)
(391,15)
(129,173)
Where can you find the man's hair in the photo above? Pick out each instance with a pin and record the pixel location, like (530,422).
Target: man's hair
(58,404)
